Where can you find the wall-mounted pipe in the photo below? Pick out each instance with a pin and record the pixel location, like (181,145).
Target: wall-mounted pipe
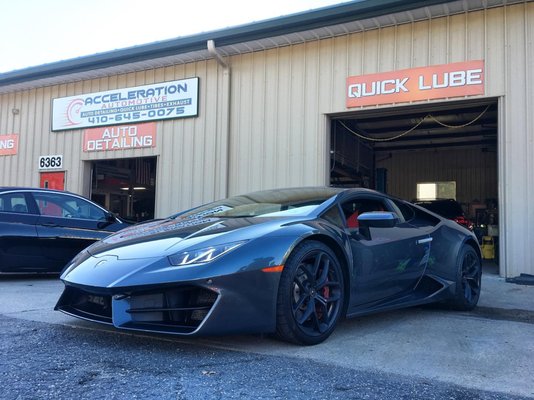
(215,53)
(224,139)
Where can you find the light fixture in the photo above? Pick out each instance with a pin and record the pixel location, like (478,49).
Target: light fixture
(134,188)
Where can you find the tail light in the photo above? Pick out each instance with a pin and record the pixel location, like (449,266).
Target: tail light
(464,222)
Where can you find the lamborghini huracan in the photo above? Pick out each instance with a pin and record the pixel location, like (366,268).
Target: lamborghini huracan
(292,262)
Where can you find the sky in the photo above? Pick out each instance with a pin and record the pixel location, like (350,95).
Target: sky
(37,32)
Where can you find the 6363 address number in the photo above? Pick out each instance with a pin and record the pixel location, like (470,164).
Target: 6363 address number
(51,162)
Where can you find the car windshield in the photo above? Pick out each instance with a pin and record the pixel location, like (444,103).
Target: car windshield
(271,203)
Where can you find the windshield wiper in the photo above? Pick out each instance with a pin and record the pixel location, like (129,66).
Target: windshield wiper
(233,216)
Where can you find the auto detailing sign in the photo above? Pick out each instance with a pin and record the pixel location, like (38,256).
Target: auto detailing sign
(434,82)
(176,99)
(120,137)
(9,145)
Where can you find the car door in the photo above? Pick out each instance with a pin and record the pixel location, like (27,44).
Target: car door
(19,245)
(388,261)
(67,224)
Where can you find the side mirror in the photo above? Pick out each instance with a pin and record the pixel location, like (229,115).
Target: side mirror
(376,219)
(110,219)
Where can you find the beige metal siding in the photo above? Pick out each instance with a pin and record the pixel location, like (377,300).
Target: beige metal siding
(517,140)
(189,148)
(276,140)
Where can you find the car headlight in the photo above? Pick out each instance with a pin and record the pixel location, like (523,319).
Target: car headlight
(203,255)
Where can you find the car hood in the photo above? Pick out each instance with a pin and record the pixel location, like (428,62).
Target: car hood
(168,236)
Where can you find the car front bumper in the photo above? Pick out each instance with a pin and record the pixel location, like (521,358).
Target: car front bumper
(237,303)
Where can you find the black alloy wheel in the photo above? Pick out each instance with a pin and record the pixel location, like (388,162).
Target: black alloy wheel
(311,294)
(468,281)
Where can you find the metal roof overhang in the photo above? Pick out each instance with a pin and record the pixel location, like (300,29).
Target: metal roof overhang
(298,28)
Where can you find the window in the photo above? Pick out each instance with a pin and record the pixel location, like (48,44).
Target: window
(404,209)
(13,202)
(63,206)
(436,190)
(270,203)
(333,216)
(353,208)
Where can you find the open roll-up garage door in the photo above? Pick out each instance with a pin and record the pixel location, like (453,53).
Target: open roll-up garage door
(441,150)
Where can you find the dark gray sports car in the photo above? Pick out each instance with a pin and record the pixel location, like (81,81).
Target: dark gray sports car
(290,261)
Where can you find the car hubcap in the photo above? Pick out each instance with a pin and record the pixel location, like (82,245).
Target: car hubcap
(471,277)
(316,293)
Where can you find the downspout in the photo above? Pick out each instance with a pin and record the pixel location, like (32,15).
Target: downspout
(224,140)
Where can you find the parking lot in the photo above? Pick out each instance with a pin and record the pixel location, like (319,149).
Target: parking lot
(414,353)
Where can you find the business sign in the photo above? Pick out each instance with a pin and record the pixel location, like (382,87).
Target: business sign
(120,137)
(9,145)
(50,162)
(425,83)
(176,99)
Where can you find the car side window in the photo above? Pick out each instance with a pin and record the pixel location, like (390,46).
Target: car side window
(64,206)
(14,203)
(353,208)
(406,211)
(333,215)
(87,210)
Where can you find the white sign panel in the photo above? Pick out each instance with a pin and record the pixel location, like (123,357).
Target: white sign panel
(51,162)
(166,100)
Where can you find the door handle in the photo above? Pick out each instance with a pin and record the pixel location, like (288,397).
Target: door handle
(49,224)
(425,240)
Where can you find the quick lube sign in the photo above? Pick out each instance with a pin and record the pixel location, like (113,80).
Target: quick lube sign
(424,83)
(166,100)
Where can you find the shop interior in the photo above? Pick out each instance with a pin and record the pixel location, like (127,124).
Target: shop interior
(126,187)
(433,151)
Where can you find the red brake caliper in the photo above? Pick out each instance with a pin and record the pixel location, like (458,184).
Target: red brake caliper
(326,295)
(326,291)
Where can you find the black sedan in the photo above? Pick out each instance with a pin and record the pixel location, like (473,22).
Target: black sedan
(291,261)
(41,230)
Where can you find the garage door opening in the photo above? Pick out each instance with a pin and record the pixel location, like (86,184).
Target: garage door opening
(440,150)
(126,187)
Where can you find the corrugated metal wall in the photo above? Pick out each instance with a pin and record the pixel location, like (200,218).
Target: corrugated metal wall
(280,101)
(517,141)
(278,128)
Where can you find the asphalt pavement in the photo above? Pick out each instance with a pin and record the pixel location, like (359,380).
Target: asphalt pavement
(422,352)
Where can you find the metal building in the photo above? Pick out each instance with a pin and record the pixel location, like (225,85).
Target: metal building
(389,94)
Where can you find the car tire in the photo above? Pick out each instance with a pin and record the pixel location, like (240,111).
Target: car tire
(310,294)
(468,280)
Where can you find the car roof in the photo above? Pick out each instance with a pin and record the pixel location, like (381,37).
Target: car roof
(22,188)
(331,191)
(364,190)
